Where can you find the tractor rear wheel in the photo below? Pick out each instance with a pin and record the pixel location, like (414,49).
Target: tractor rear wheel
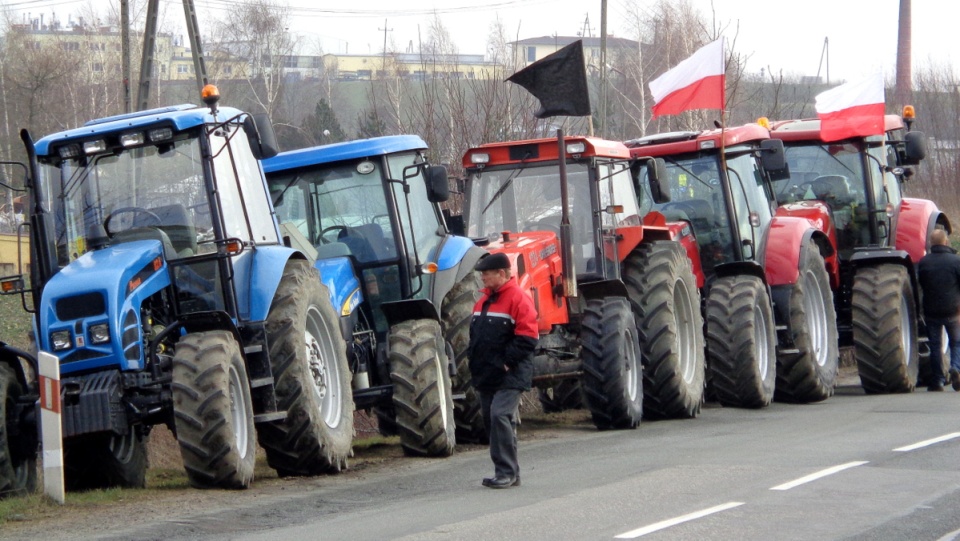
(566,394)
(312,378)
(456,312)
(741,344)
(422,397)
(612,379)
(663,293)
(811,375)
(885,329)
(212,411)
(18,467)
(105,461)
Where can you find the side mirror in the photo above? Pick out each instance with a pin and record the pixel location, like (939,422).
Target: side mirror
(656,176)
(438,188)
(916,148)
(773,159)
(263,140)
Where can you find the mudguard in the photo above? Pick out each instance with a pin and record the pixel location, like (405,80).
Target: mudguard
(682,233)
(787,238)
(257,275)
(457,258)
(917,218)
(342,282)
(124,276)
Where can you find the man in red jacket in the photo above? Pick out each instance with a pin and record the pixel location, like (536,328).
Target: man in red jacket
(503,335)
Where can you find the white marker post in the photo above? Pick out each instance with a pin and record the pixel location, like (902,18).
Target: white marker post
(50,427)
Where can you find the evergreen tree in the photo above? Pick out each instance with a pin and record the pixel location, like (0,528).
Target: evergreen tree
(323,126)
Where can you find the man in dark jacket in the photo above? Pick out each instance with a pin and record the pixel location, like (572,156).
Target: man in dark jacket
(939,274)
(503,335)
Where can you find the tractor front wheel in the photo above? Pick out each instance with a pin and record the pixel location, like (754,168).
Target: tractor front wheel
(612,379)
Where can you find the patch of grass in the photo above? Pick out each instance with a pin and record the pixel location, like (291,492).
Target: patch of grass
(38,506)
(14,322)
(372,442)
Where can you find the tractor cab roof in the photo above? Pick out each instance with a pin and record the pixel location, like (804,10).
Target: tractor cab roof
(808,129)
(336,152)
(542,150)
(666,144)
(180,117)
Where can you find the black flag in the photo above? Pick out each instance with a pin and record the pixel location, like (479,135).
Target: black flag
(559,81)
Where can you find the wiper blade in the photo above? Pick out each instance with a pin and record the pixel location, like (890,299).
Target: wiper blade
(506,183)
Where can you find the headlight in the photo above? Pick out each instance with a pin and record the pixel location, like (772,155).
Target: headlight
(60,340)
(99,333)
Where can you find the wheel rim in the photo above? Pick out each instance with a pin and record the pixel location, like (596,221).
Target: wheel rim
(324,368)
(906,337)
(238,412)
(630,364)
(123,447)
(441,390)
(686,334)
(814,311)
(760,324)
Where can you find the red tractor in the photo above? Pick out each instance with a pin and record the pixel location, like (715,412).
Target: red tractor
(880,237)
(614,295)
(766,278)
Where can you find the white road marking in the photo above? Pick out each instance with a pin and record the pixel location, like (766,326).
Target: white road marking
(632,534)
(926,443)
(817,475)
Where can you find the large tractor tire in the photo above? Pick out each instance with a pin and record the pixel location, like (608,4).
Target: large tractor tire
(422,395)
(612,371)
(212,410)
(663,293)
(811,375)
(455,314)
(566,394)
(312,379)
(105,461)
(18,466)
(741,344)
(885,329)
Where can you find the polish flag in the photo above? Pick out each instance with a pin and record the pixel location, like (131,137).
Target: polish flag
(696,83)
(852,109)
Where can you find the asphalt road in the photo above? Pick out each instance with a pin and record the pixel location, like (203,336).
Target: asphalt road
(852,467)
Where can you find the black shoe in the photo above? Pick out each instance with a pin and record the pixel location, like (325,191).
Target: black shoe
(936,387)
(487,480)
(502,482)
(955,379)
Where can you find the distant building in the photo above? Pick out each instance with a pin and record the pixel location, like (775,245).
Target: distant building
(417,66)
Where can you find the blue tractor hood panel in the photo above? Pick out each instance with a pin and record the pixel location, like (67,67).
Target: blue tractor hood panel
(351,150)
(102,286)
(181,117)
(343,285)
(452,251)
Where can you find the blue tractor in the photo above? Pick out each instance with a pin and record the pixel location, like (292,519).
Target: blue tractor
(159,279)
(368,212)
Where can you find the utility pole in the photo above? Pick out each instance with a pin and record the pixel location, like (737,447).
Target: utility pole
(603,68)
(904,52)
(383,68)
(125,52)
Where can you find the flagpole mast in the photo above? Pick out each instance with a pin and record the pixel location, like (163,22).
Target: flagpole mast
(603,69)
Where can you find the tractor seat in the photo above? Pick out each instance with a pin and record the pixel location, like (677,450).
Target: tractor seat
(832,189)
(366,242)
(176,222)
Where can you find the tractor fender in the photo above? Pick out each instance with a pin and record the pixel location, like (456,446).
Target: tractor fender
(457,257)
(406,310)
(917,218)
(681,232)
(880,256)
(602,288)
(342,283)
(122,277)
(787,238)
(740,268)
(257,275)
(15,358)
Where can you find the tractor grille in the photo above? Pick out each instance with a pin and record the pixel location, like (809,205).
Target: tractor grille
(80,306)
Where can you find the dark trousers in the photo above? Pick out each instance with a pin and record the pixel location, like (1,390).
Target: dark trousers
(935,328)
(499,415)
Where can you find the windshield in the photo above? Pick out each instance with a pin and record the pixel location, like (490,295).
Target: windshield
(832,173)
(148,192)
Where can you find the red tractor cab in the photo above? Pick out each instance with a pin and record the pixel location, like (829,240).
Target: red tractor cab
(770,323)
(880,236)
(618,305)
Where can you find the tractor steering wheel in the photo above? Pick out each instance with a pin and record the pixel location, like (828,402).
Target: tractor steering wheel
(134,210)
(322,236)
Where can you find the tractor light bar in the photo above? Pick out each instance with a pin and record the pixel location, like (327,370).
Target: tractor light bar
(764,121)
(69,151)
(479,157)
(60,340)
(160,134)
(131,139)
(92,147)
(708,144)
(576,148)
(99,333)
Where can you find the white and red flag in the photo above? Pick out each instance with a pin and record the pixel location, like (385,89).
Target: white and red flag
(853,109)
(696,83)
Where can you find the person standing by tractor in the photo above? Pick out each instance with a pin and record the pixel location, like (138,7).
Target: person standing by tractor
(939,275)
(503,335)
